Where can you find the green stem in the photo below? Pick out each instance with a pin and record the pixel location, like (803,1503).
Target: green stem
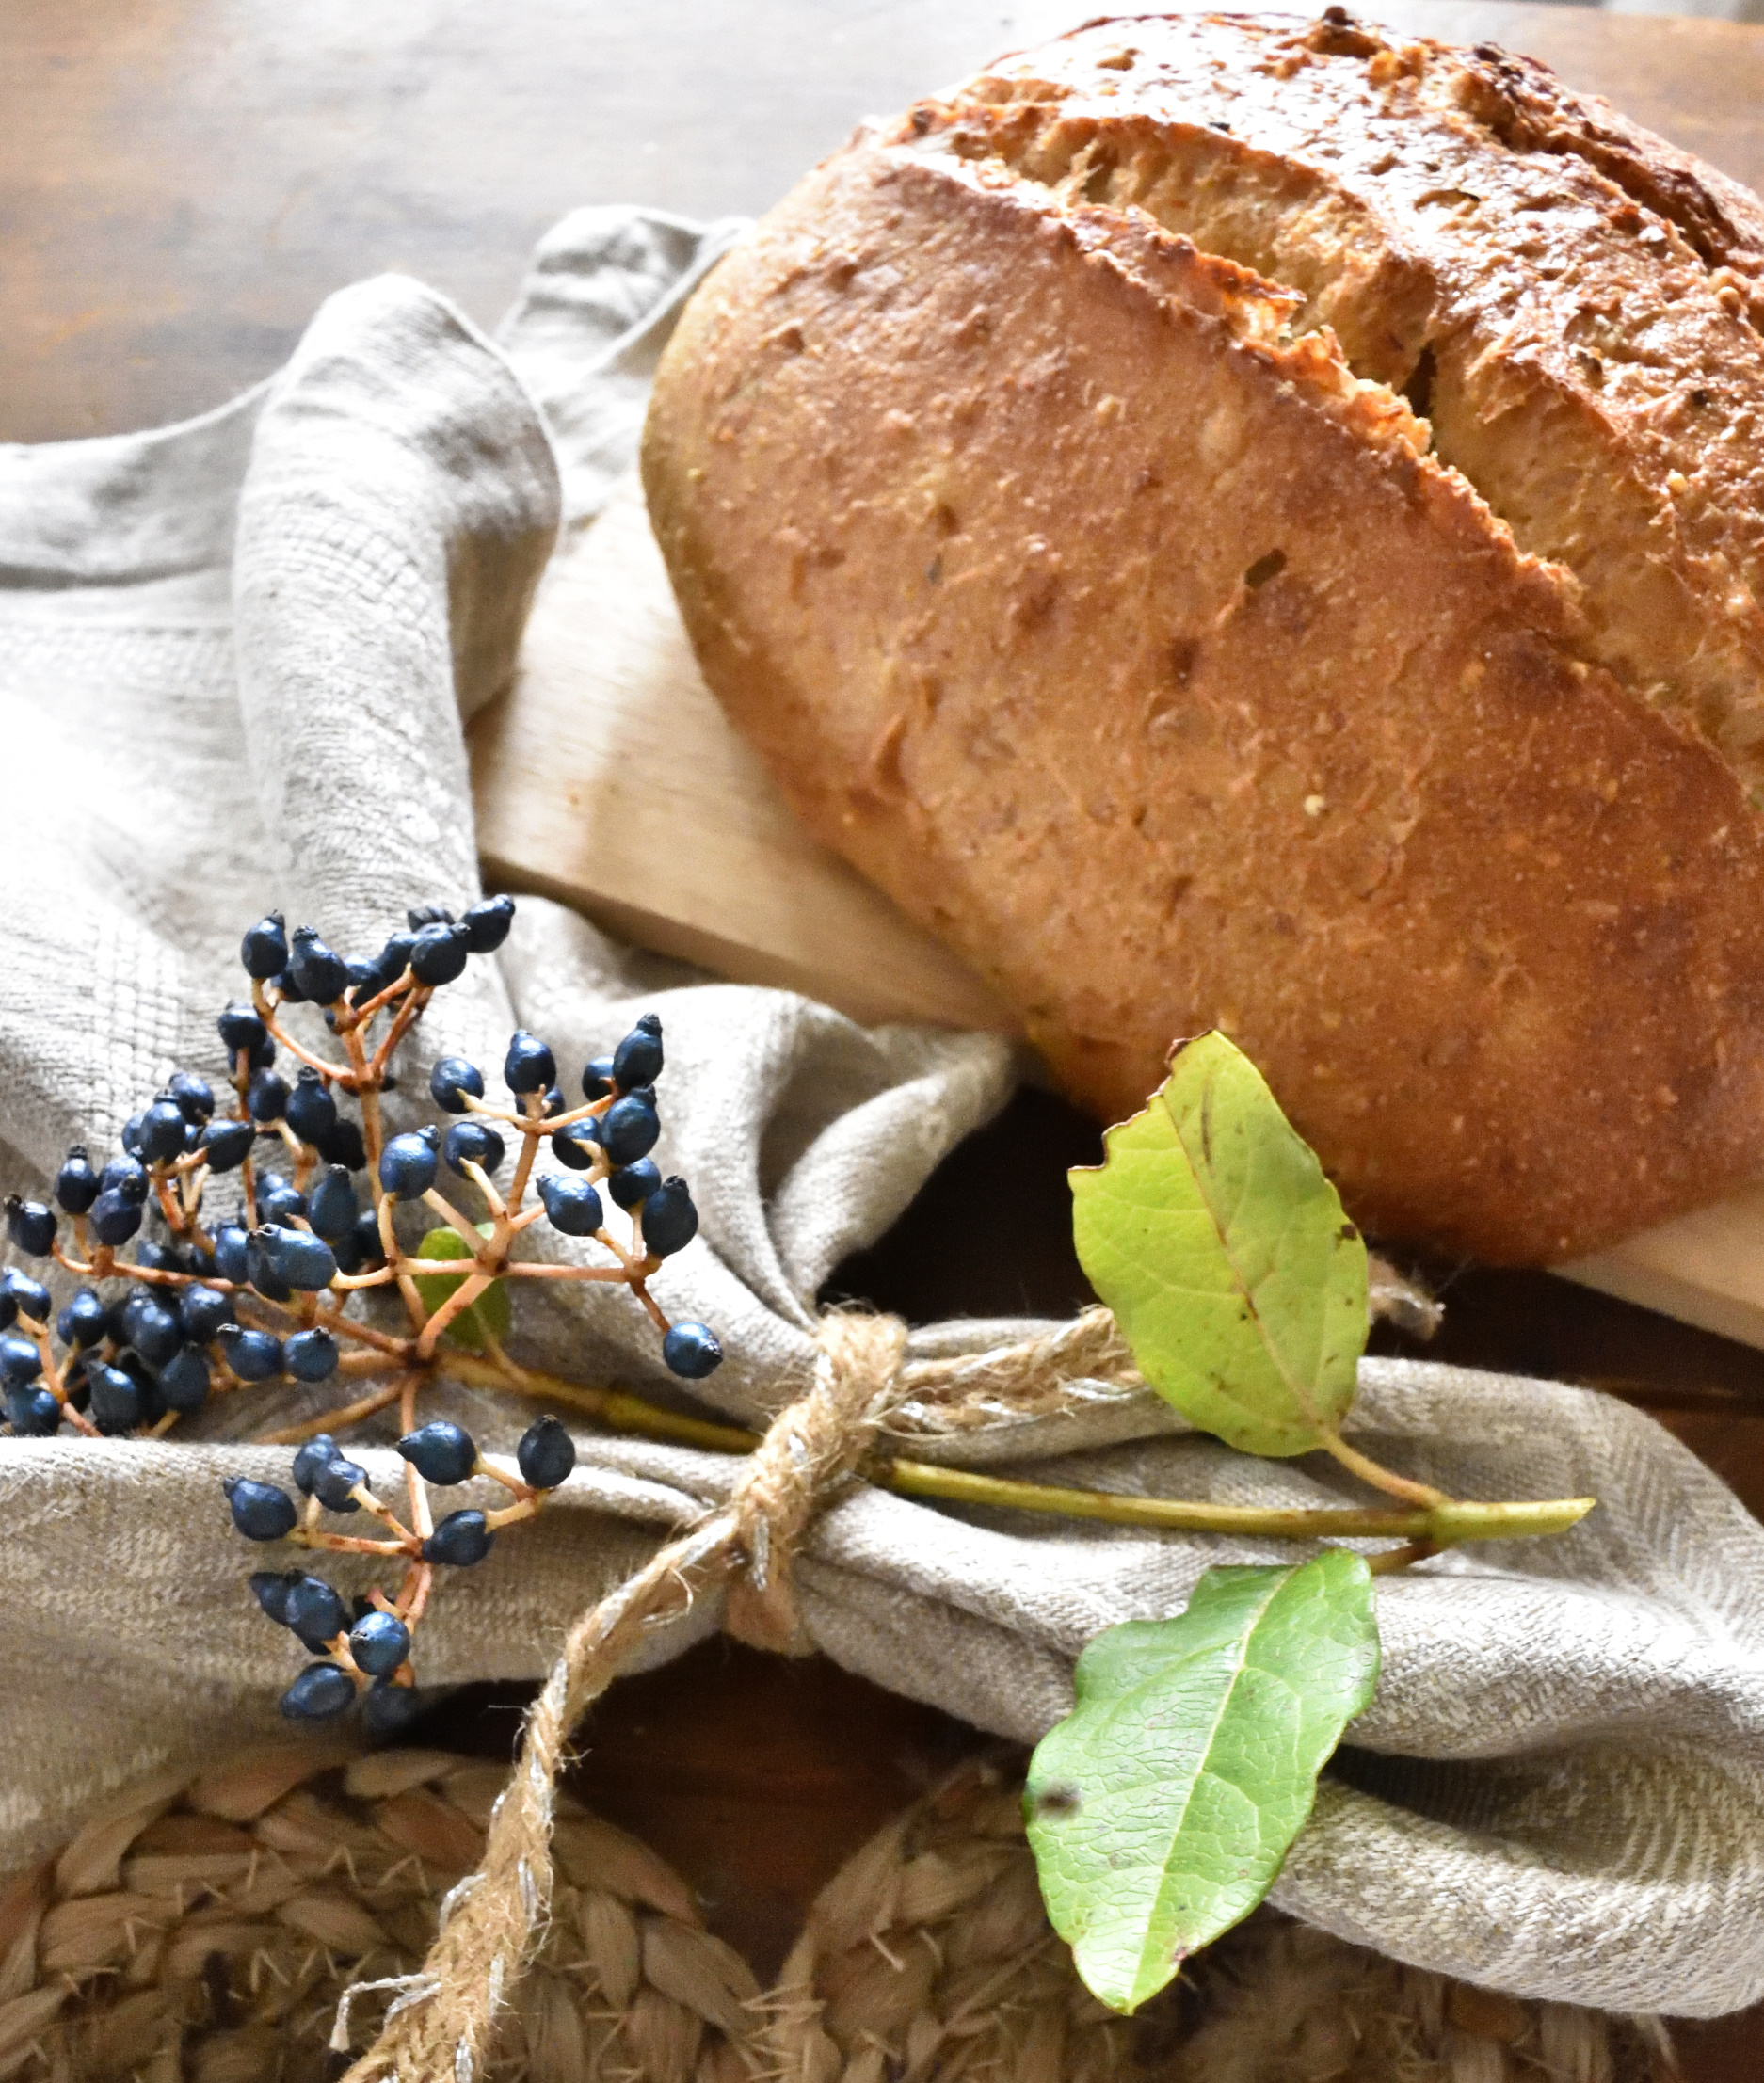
(1439,1525)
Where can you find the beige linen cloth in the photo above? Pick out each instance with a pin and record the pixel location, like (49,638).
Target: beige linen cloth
(235,660)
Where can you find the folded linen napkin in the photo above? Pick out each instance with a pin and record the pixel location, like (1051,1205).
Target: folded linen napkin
(236,657)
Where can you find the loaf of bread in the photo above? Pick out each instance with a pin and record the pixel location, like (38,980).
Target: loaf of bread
(1238,522)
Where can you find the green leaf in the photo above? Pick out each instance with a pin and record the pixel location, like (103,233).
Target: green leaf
(1161,1809)
(479,1321)
(1212,1234)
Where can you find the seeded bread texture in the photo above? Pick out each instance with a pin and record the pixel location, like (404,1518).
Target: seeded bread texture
(1237,522)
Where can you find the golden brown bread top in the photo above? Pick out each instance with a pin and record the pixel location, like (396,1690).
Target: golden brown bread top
(1574,305)
(1078,589)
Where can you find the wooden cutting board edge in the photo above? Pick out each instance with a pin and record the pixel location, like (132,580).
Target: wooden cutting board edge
(608,779)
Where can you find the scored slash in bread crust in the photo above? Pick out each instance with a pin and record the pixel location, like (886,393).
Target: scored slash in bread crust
(1043,502)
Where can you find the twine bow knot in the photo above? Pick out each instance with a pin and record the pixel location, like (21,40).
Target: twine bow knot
(807,1456)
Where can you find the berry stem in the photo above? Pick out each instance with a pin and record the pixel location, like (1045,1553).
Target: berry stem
(1379,1476)
(309,1428)
(463,1296)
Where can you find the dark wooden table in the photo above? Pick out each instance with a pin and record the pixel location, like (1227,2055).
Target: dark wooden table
(181,180)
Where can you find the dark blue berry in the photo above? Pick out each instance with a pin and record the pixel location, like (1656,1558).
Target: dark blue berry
(312,1459)
(597,1077)
(335,1480)
(342,1144)
(692,1351)
(320,1693)
(228,1143)
(629,1129)
(577,1146)
(379,1642)
(333,1206)
(240,1027)
(264,1056)
(316,1612)
(114,1218)
(126,1175)
(201,1311)
(440,955)
(440,1453)
(487,923)
(137,1370)
(33,1413)
(554,1102)
(637,1060)
(157,1257)
(130,1136)
(267,1097)
(192,1132)
(296,1257)
(278,1201)
(389,967)
(463,1538)
(252,1355)
(322,976)
(287,988)
(162,1132)
(670,1221)
(450,1079)
(472,1143)
(76,1182)
(634,1183)
(546,1454)
(183,1379)
(407,1166)
(31,1226)
(118,1404)
(19,1295)
(311,1356)
(366,1238)
(195,1095)
(528,1065)
(390,1709)
(150,1328)
(232,1253)
(264,949)
(267,1282)
(420,916)
(82,1319)
(271,1588)
(311,1111)
(20,1360)
(571,1204)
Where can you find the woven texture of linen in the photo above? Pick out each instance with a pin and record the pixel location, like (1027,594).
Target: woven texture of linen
(235,660)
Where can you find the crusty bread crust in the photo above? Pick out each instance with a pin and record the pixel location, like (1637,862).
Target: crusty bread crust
(1101,597)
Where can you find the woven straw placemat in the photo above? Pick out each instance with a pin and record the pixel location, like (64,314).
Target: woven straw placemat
(205,1930)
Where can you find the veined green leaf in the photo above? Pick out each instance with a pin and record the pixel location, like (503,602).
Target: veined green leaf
(1160,1811)
(479,1321)
(1212,1234)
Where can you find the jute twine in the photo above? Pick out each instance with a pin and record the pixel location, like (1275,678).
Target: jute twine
(205,1930)
(442,2023)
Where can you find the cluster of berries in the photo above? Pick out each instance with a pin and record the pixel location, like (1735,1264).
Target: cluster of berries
(265,1292)
(368,1645)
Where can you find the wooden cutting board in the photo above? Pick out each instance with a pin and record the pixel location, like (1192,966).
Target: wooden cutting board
(608,778)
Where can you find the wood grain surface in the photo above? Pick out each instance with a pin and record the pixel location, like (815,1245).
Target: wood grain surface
(182,181)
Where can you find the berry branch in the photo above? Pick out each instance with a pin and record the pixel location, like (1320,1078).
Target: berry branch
(280,1286)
